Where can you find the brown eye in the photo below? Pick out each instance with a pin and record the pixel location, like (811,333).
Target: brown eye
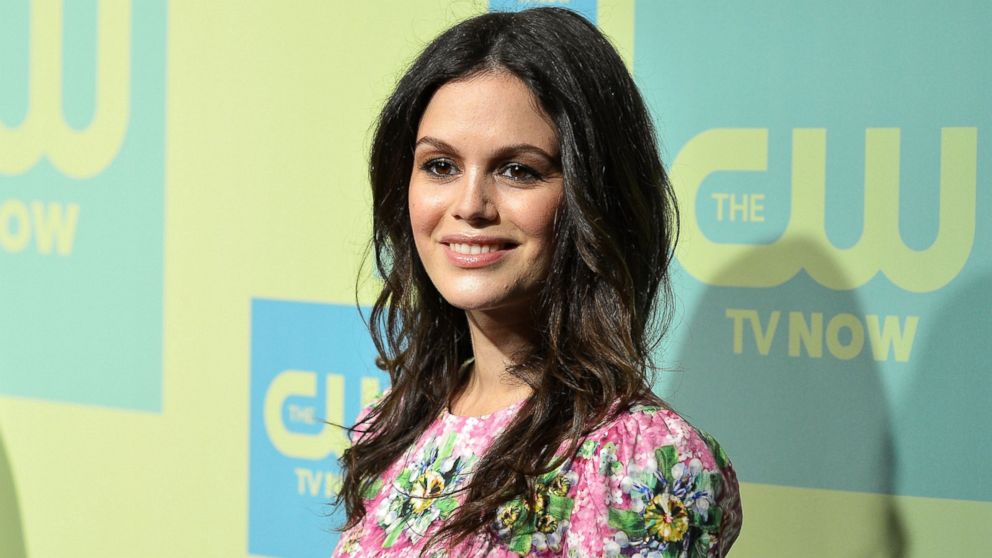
(440,168)
(520,173)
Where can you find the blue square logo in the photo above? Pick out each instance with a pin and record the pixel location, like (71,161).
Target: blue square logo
(310,364)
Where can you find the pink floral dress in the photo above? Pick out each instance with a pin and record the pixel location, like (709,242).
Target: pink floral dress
(647,484)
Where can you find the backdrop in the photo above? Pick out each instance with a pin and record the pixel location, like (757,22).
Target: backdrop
(184,210)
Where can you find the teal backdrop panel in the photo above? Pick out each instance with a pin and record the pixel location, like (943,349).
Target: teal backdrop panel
(835,273)
(82,140)
(587,8)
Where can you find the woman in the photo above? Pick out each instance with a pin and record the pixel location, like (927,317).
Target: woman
(523,225)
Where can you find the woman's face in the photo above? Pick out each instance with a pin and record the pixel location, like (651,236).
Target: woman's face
(485,188)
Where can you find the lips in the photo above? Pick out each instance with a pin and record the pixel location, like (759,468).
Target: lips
(471,252)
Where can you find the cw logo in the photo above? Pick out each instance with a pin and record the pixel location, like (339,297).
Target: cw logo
(78,154)
(880,248)
(303,384)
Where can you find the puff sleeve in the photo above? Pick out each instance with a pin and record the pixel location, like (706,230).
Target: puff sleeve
(650,484)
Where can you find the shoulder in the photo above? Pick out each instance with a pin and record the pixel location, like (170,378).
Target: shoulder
(636,433)
(649,480)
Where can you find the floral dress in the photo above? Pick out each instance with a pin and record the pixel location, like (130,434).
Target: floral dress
(647,484)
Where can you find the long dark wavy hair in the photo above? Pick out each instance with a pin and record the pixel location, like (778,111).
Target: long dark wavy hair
(605,301)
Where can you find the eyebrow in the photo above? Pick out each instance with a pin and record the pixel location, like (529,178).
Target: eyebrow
(504,151)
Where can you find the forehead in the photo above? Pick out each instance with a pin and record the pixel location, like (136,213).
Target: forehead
(488,109)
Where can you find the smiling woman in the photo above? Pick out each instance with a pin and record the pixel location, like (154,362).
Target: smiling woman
(485,189)
(523,224)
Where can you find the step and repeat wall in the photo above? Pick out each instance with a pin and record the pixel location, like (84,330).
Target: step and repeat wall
(184,213)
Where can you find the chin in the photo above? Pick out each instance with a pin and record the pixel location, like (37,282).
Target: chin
(469,303)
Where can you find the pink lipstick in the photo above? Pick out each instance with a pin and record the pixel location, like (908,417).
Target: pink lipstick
(470,252)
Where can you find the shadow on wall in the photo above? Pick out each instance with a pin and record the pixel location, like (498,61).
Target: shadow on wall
(947,410)
(792,418)
(11,536)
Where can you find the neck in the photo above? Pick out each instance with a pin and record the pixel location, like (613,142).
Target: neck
(496,343)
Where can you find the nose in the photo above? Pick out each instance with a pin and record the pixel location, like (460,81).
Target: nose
(474,202)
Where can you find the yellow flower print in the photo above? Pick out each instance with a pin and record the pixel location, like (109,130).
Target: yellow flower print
(507,515)
(547,524)
(665,517)
(559,485)
(425,489)
(540,500)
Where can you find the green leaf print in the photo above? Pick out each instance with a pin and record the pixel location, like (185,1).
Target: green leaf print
(718,454)
(630,522)
(645,409)
(446,506)
(372,489)
(714,517)
(588,448)
(667,457)
(521,544)
(449,444)
(394,534)
(559,507)
(701,545)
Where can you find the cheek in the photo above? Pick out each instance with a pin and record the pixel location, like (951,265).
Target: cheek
(536,216)
(425,213)
(417,208)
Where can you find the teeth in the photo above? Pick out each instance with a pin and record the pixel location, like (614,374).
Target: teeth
(474,248)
